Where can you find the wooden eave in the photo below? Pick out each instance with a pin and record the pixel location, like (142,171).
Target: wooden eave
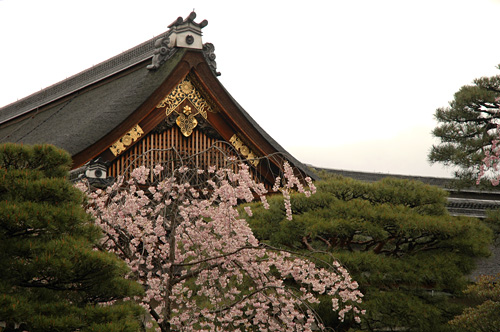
(137,117)
(231,111)
(229,119)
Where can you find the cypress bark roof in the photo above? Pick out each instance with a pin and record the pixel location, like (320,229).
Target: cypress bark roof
(78,111)
(76,82)
(81,110)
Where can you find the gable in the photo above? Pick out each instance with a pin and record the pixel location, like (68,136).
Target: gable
(186,126)
(77,120)
(168,99)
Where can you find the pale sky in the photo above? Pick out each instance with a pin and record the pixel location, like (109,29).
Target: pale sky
(340,84)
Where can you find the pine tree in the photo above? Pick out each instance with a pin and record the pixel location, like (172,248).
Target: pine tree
(484,316)
(51,277)
(409,256)
(467,127)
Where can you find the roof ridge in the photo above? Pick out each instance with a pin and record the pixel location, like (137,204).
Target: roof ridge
(84,78)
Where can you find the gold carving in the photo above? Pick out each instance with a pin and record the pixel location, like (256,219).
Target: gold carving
(186,117)
(186,123)
(186,87)
(127,139)
(244,150)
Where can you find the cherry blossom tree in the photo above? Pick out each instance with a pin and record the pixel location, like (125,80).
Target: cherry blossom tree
(180,232)
(490,167)
(466,128)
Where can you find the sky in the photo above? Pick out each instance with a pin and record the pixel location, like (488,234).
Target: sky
(347,85)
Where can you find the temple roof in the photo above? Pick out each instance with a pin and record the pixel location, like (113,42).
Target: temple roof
(75,113)
(81,80)
(85,108)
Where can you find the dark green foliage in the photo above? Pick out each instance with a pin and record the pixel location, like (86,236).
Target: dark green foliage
(493,221)
(467,127)
(51,278)
(485,315)
(395,237)
(49,160)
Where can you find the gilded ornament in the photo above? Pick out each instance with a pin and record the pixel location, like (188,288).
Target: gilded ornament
(126,140)
(244,150)
(186,87)
(186,124)
(185,91)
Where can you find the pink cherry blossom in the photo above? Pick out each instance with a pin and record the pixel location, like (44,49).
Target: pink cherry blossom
(491,162)
(198,260)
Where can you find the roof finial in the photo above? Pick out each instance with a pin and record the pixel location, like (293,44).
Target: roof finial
(183,33)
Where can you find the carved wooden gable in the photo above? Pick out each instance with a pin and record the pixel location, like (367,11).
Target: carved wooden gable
(179,129)
(158,102)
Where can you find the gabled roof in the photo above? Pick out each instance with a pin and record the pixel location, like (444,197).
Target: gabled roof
(88,112)
(79,81)
(75,114)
